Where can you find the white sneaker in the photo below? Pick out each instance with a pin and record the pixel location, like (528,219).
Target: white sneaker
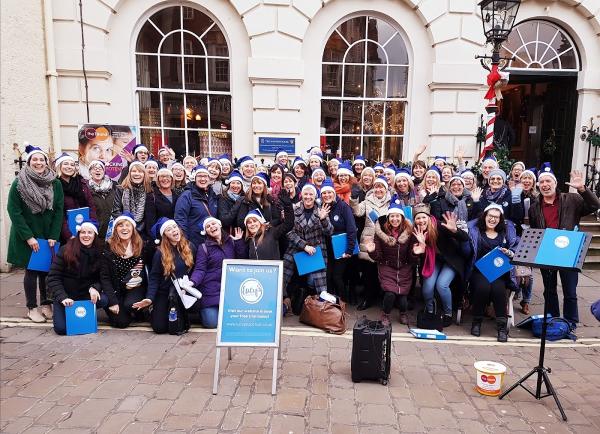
(35,315)
(46,310)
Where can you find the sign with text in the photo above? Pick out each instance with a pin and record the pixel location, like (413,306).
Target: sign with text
(250,306)
(270,145)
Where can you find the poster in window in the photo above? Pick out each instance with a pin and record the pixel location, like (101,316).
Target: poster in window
(108,143)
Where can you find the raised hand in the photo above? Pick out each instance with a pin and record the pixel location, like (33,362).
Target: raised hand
(370,246)
(421,149)
(324,211)
(237,234)
(476,194)
(577,180)
(127,155)
(450,221)
(460,152)
(419,234)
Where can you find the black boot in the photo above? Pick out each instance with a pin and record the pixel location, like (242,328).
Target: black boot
(502,329)
(364,305)
(476,327)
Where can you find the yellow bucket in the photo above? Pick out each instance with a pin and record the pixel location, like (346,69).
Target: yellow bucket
(489,377)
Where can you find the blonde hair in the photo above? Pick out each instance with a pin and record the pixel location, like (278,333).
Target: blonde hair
(167,257)
(128,183)
(119,247)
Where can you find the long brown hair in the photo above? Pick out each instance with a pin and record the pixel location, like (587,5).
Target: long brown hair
(72,252)
(167,256)
(127,183)
(432,232)
(263,200)
(119,247)
(404,226)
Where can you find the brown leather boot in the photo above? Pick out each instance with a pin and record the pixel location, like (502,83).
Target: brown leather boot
(525,308)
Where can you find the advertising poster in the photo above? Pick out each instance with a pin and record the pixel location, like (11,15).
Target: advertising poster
(108,143)
(250,310)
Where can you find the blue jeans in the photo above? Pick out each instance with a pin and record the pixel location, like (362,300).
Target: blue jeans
(527,290)
(569,280)
(440,280)
(59,318)
(209,317)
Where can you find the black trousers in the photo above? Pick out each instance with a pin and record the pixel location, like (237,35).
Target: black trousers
(483,292)
(126,310)
(389,300)
(336,269)
(159,318)
(31,280)
(370,279)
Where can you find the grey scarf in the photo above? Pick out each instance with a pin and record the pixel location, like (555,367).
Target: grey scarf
(460,205)
(103,188)
(36,190)
(134,201)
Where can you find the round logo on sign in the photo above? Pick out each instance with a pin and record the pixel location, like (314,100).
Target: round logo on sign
(90,133)
(336,217)
(79,219)
(498,262)
(80,312)
(251,291)
(561,242)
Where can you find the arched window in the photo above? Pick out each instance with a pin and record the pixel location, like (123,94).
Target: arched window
(184,97)
(541,45)
(364,89)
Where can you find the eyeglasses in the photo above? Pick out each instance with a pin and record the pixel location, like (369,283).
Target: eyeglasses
(493,217)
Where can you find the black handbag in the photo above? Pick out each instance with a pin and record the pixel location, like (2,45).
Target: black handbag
(179,322)
(430,321)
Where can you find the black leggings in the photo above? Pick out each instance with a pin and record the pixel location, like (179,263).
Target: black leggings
(336,268)
(122,319)
(484,291)
(389,300)
(159,319)
(30,284)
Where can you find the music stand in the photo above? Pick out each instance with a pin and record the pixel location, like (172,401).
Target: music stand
(525,254)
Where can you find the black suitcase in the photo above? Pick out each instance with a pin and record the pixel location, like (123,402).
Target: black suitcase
(371,351)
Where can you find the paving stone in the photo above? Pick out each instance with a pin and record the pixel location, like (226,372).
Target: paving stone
(115,422)
(257,420)
(343,412)
(210,418)
(15,406)
(377,414)
(260,403)
(140,428)
(232,419)
(427,396)
(287,424)
(179,423)
(291,401)
(113,388)
(89,413)
(410,423)
(437,418)
(154,410)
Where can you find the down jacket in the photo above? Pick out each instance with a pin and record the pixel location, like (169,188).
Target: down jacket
(363,209)
(395,260)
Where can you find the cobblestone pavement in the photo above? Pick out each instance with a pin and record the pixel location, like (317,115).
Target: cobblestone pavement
(135,381)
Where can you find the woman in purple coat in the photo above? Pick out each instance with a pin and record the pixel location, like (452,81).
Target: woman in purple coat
(206,275)
(392,250)
(76,190)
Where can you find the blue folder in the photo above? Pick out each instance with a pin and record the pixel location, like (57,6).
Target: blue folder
(308,263)
(408,213)
(373,215)
(81,318)
(493,265)
(77,216)
(560,248)
(42,259)
(339,243)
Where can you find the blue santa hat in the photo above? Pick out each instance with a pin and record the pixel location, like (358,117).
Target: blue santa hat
(234,176)
(457,178)
(30,150)
(359,159)
(379,165)
(327,185)
(206,220)
(199,169)
(280,152)
(435,170)
(245,160)
(261,176)
(88,224)
(97,163)
(163,149)
(390,168)
(62,158)
(298,161)
(151,162)
(490,157)
(345,169)
(439,158)
(315,157)
(380,179)
(214,160)
(403,173)
(255,213)
(395,208)
(126,216)
(546,170)
(467,173)
(315,150)
(224,158)
(140,148)
(532,171)
(335,160)
(158,229)
(316,170)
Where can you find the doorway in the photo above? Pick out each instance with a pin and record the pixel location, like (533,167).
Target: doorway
(542,110)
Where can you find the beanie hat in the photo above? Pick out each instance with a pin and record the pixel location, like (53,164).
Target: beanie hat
(421,208)
(140,148)
(498,172)
(97,163)
(291,176)
(494,206)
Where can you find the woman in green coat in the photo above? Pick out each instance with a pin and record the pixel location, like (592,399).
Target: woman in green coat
(35,207)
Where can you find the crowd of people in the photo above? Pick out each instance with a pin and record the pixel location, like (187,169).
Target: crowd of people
(420,230)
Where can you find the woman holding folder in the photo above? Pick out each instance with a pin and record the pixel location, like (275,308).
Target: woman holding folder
(75,274)
(35,207)
(488,232)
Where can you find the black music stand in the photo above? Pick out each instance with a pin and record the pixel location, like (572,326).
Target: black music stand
(525,255)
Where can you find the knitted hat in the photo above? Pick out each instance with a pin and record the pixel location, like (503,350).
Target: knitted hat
(345,169)
(126,216)
(498,172)
(158,229)
(359,159)
(206,221)
(88,224)
(494,206)
(421,208)
(62,158)
(546,170)
(255,213)
(30,149)
(327,185)
(234,176)
(164,171)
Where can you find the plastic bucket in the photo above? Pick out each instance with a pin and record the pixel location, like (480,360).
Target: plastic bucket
(489,377)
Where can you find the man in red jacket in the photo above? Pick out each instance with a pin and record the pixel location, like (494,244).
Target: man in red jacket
(561,211)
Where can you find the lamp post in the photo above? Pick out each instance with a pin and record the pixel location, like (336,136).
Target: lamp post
(498,18)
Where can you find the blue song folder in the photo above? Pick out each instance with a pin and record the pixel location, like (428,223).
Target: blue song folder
(339,243)
(493,265)
(560,248)
(42,259)
(77,216)
(373,215)
(408,213)
(308,263)
(81,318)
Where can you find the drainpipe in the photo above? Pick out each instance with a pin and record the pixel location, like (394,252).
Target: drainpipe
(52,77)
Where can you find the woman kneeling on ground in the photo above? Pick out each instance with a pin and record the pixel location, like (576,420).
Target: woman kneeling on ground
(75,275)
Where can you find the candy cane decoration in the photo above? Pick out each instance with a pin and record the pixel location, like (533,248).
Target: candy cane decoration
(495,80)
(489,131)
